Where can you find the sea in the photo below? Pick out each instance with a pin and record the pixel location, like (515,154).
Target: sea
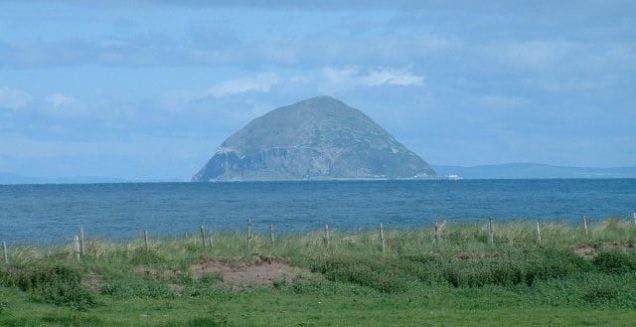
(50,214)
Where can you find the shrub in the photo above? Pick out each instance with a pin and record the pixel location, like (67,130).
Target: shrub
(4,305)
(508,271)
(137,288)
(216,321)
(55,284)
(142,257)
(614,262)
(554,264)
(380,275)
(211,278)
(601,295)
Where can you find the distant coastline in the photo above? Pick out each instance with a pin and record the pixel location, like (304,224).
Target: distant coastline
(534,171)
(497,171)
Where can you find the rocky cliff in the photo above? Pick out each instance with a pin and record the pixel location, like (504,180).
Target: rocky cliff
(315,139)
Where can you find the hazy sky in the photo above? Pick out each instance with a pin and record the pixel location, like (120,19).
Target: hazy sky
(148,91)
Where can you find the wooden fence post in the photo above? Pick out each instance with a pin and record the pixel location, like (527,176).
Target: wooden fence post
(634,216)
(491,232)
(147,246)
(76,247)
(435,233)
(327,235)
(382,238)
(81,239)
(249,235)
(585,226)
(438,230)
(271,234)
(203,236)
(538,232)
(5,252)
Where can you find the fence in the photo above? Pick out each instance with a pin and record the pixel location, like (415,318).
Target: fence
(488,229)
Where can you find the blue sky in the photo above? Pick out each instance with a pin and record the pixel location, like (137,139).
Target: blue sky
(148,89)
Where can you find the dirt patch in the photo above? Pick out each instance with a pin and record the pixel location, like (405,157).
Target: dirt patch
(158,275)
(465,255)
(585,251)
(616,246)
(589,251)
(92,281)
(259,273)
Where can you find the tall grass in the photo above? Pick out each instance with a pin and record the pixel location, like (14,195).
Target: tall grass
(461,257)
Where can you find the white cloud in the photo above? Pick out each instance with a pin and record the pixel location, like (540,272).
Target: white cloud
(388,76)
(353,76)
(259,83)
(13,98)
(176,100)
(59,100)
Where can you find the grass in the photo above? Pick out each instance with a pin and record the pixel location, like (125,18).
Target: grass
(567,278)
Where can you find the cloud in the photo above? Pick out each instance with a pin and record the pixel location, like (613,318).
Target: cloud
(176,100)
(354,76)
(326,80)
(60,100)
(14,99)
(220,46)
(259,83)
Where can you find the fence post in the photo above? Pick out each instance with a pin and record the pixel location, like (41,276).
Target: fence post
(435,233)
(634,216)
(382,238)
(146,240)
(5,252)
(76,247)
(585,226)
(491,232)
(538,232)
(271,234)
(249,235)
(327,235)
(81,235)
(203,236)
(438,230)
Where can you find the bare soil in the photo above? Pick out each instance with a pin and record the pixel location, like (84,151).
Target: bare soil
(258,273)
(589,251)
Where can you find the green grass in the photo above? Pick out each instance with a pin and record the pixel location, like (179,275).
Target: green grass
(460,280)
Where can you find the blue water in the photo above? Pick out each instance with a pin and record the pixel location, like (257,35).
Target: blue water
(53,213)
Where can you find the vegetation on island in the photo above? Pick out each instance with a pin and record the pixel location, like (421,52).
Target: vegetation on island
(458,276)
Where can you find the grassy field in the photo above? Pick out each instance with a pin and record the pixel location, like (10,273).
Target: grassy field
(458,278)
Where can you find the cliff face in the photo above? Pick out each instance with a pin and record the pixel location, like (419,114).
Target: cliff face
(318,138)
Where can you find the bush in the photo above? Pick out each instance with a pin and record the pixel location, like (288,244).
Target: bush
(508,271)
(554,264)
(55,284)
(614,262)
(601,295)
(216,321)
(211,278)
(4,305)
(142,257)
(381,275)
(137,288)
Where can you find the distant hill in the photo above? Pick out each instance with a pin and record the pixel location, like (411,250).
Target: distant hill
(9,179)
(318,138)
(530,170)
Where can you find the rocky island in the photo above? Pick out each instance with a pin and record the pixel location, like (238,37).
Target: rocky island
(320,138)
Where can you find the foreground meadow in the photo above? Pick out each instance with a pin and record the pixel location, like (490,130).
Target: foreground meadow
(508,274)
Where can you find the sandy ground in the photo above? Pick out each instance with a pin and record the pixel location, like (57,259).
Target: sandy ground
(259,273)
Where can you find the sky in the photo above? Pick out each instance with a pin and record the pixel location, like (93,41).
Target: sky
(147,90)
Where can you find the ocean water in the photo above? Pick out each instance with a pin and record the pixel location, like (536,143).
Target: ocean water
(44,214)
